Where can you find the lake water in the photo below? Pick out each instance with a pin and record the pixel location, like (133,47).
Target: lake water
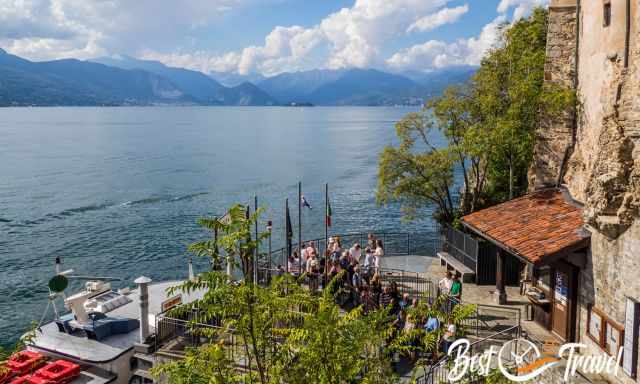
(117,191)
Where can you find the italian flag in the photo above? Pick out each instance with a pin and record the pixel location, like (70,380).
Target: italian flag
(328,216)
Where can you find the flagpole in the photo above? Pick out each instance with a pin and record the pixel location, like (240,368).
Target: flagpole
(256,250)
(326,229)
(299,218)
(286,236)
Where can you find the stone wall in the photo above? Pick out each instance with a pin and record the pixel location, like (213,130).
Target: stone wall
(554,139)
(602,169)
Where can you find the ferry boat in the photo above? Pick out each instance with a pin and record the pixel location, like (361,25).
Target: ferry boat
(107,336)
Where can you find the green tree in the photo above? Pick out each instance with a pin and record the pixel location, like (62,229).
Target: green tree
(281,331)
(488,124)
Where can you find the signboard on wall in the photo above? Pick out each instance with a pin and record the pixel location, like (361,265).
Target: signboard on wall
(631,335)
(171,303)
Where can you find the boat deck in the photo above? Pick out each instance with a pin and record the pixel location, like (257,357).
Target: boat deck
(77,346)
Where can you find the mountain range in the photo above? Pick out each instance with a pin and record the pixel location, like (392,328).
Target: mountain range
(124,80)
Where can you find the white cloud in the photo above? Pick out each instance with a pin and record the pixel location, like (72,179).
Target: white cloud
(435,20)
(47,29)
(350,37)
(439,54)
(522,7)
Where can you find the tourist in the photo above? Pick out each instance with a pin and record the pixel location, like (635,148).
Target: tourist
(386,297)
(399,322)
(356,252)
(409,326)
(444,285)
(366,298)
(379,249)
(303,257)
(313,271)
(376,262)
(311,249)
(405,301)
(279,270)
(334,270)
(356,279)
(456,288)
(376,287)
(432,323)
(344,260)
(371,241)
(369,264)
(449,335)
(294,264)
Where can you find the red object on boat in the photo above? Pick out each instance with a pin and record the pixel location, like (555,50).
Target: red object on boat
(24,362)
(58,372)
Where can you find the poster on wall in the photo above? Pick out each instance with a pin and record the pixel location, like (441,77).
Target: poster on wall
(561,288)
(632,332)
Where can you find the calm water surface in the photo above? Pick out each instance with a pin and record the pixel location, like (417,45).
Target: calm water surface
(117,191)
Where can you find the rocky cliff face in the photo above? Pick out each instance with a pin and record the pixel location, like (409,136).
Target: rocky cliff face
(597,154)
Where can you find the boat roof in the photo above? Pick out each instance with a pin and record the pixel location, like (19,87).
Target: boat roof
(78,346)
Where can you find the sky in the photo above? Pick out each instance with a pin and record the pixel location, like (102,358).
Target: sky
(261,36)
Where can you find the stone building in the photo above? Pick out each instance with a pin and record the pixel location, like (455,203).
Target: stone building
(593,151)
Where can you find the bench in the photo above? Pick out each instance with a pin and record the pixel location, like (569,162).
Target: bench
(467,274)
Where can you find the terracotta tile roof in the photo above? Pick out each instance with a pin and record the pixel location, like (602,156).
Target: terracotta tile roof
(534,226)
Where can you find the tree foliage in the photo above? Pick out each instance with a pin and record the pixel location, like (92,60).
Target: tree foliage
(267,334)
(488,125)
(282,332)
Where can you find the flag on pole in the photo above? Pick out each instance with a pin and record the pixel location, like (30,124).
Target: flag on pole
(328,215)
(304,202)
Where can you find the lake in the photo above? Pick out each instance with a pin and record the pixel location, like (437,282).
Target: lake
(117,191)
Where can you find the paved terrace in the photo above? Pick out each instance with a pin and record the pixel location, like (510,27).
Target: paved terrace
(430,268)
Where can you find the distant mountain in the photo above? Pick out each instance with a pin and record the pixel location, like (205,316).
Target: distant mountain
(297,87)
(196,84)
(125,80)
(439,79)
(230,79)
(74,82)
(368,87)
(248,94)
(361,86)
(344,87)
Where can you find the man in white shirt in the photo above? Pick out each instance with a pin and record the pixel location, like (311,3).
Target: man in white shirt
(356,253)
(445,284)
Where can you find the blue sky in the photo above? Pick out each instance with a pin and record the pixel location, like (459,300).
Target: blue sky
(261,36)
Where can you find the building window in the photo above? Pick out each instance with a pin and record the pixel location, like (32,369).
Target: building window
(606,21)
(605,332)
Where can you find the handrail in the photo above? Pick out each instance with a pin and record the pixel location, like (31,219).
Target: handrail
(431,373)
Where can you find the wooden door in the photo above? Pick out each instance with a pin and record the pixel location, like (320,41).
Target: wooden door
(560,309)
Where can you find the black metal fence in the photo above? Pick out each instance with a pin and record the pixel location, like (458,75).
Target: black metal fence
(439,372)
(461,246)
(395,244)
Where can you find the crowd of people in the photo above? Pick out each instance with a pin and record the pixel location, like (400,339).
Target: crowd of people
(360,266)
(362,280)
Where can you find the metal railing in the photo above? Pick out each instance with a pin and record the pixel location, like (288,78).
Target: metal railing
(438,372)
(395,244)
(461,246)
(185,334)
